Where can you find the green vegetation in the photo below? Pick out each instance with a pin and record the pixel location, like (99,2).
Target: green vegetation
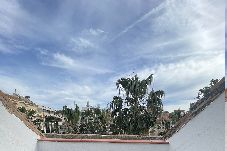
(94,121)
(22,109)
(133,111)
(205,92)
(29,113)
(72,118)
(136,110)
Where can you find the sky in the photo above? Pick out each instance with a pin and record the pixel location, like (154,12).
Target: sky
(59,52)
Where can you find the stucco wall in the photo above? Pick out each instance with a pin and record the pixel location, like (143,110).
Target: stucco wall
(14,134)
(72,146)
(226,126)
(206,132)
(203,133)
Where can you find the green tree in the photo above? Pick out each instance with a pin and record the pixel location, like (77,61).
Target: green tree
(22,109)
(76,119)
(205,92)
(86,123)
(176,115)
(72,117)
(94,121)
(136,108)
(30,113)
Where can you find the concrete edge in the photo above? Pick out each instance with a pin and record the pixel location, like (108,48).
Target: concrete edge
(104,141)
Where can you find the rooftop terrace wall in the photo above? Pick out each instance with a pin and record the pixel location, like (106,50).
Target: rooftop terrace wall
(205,132)
(14,134)
(101,145)
(226,126)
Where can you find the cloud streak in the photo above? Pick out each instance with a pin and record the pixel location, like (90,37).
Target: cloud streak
(59,52)
(63,61)
(142,18)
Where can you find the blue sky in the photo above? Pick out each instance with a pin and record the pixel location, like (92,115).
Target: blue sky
(74,50)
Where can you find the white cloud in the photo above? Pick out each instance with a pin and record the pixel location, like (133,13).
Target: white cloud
(141,19)
(181,80)
(96,32)
(60,93)
(81,43)
(42,51)
(52,96)
(63,60)
(183,105)
(89,40)
(187,37)
(10,10)
(181,29)
(189,46)
(15,21)
(79,66)
(8,85)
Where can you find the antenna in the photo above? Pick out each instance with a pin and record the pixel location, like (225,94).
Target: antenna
(87,104)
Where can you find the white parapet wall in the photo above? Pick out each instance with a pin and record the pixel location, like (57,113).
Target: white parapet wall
(14,134)
(205,132)
(99,146)
(226,126)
